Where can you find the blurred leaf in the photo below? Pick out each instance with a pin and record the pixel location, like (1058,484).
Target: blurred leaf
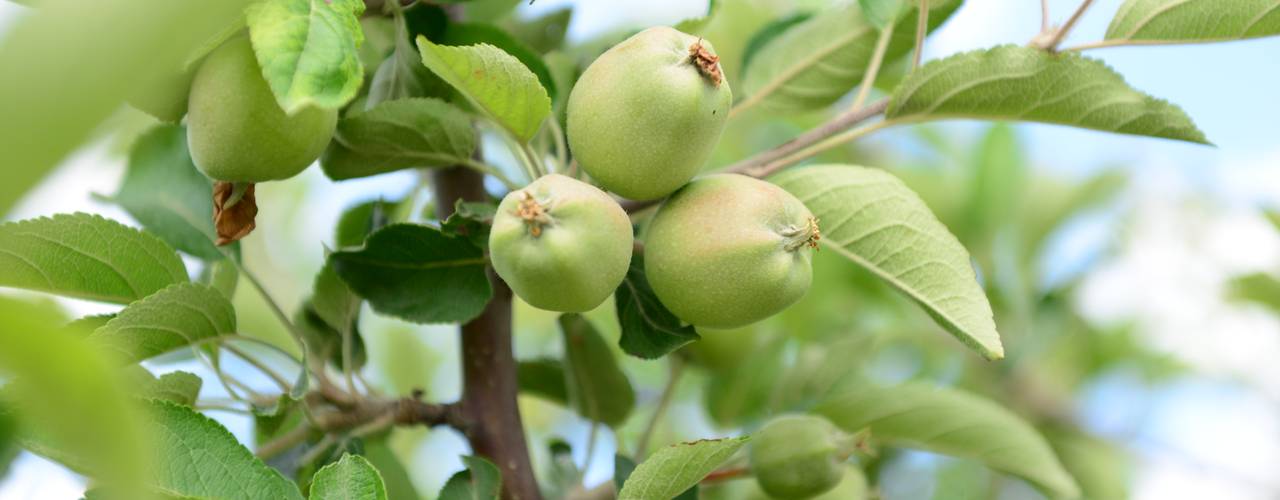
(86,256)
(178,387)
(399,134)
(382,457)
(623,466)
(1194,21)
(874,220)
(1259,288)
(1053,205)
(596,384)
(1100,468)
(417,274)
(880,13)
(544,377)
(178,316)
(166,194)
(52,108)
(222,275)
(481,481)
(761,38)
(496,83)
(744,393)
(358,222)
(695,25)
(325,340)
(952,423)
(333,300)
(459,34)
(88,324)
(818,370)
(471,220)
(309,50)
(200,458)
(489,10)
(815,62)
(544,33)
(8,438)
(997,185)
(676,468)
(351,478)
(649,329)
(69,400)
(402,75)
(1022,83)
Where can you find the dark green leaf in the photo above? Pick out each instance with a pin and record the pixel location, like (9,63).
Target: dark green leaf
(649,329)
(350,478)
(86,256)
(399,134)
(1194,21)
(418,274)
(179,387)
(623,466)
(325,341)
(471,220)
(545,33)
(1022,83)
(334,302)
(676,468)
(402,75)
(358,222)
(166,194)
(309,50)
(176,317)
(545,378)
(481,481)
(597,387)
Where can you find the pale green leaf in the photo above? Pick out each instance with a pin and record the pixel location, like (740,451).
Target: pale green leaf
(166,194)
(1021,83)
(880,13)
(1101,468)
(334,302)
(309,50)
(676,468)
(596,385)
(86,256)
(197,457)
(179,387)
(351,478)
(69,398)
(120,46)
(954,423)
(874,220)
(814,63)
(398,134)
(1194,21)
(494,81)
(175,317)
(481,481)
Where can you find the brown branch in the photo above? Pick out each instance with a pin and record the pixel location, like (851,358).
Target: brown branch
(488,406)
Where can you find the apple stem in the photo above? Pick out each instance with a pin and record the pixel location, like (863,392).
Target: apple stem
(800,237)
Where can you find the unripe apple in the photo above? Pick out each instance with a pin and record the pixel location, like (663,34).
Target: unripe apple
(646,115)
(236,130)
(561,244)
(728,250)
(797,456)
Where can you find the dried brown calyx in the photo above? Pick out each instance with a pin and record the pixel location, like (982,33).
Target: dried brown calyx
(234,210)
(804,236)
(533,214)
(707,63)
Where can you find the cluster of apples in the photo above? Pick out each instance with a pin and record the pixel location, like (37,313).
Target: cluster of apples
(722,251)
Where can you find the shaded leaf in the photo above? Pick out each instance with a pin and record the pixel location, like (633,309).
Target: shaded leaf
(676,468)
(86,256)
(597,387)
(1021,83)
(1192,21)
(178,387)
(309,50)
(545,378)
(471,220)
(399,485)
(871,218)
(166,194)
(495,82)
(761,38)
(350,478)
(954,423)
(418,274)
(544,33)
(649,329)
(481,481)
(358,222)
(399,134)
(402,75)
(176,317)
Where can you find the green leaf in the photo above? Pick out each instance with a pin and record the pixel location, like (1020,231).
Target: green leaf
(473,33)
(309,50)
(745,391)
(382,457)
(399,134)
(871,218)
(334,302)
(596,384)
(471,220)
(86,256)
(69,398)
(417,274)
(481,481)
(649,329)
(178,316)
(166,194)
(761,38)
(494,82)
(544,33)
(402,75)
(953,423)
(880,13)
(1259,288)
(1099,467)
(179,387)
(544,377)
(695,25)
(39,126)
(350,478)
(9,448)
(676,468)
(197,457)
(1021,83)
(1194,21)
(812,64)
(358,222)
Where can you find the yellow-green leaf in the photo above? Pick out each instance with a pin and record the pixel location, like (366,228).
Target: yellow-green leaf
(309,50)
(1194,21)
(493,81)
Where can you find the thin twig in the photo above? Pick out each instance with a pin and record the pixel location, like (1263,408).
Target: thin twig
(811,151)
(873,68)
(284,442)
(280,381)
(1044,16)
(1103,44)
(922,29)
(664,402)
(726,474)
(1061,33)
